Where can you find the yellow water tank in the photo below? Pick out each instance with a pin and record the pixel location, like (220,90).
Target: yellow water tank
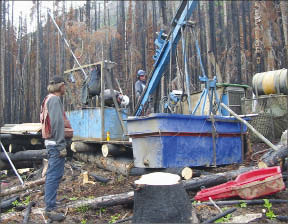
(272,82)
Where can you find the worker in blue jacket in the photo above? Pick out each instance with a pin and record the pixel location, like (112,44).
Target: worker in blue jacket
(140,84)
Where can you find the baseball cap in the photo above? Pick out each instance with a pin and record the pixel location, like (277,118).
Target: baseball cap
(56,80)
(141,72)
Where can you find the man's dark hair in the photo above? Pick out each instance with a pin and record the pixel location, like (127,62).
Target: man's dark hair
(55,84)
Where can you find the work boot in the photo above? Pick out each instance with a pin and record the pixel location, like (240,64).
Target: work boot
(55,215)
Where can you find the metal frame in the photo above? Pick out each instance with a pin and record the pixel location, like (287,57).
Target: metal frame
(210,91)
(106,78)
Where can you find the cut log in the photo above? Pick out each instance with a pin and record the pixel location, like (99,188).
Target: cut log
(273,158)
(16,148)
(113,150)
(214,179)
(19,188)
(84,147)
(104,201)
(5,137)
(282,218)
(7,203)
(165,193)
(18,165)
(186,173)
(29,155)
(8,139)
(35,141)
(123,165)
(119,165)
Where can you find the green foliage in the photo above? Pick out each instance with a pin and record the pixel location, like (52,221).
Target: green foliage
(226,218)
(114,218)
(270,214)
(243,205)
(84,221)
(83,209)
(101,210)
(16,203)
(73,198)
(10,210)
(27,200)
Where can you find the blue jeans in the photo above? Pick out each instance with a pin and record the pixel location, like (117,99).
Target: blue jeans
(54,174)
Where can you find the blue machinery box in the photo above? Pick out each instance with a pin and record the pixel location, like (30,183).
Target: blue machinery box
(87,124)
(175,140)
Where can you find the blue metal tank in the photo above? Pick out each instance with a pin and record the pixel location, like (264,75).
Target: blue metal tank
(176,140)
(87,124)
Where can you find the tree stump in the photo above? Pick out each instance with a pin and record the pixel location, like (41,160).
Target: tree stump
(113,150)
(161,198)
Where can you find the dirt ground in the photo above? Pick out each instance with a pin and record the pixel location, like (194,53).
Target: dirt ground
(72,189)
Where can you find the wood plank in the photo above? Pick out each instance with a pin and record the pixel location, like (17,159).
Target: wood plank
(85,66)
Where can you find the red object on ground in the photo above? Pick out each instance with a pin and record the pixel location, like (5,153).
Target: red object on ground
(249,185)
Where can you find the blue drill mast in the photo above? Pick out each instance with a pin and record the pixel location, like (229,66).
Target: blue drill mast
(165,47)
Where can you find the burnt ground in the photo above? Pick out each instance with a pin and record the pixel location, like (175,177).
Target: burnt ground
(72,189)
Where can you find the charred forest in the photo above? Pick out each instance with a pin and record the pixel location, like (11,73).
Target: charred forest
(237,39)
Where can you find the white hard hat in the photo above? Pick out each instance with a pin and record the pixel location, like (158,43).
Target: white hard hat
(125,100)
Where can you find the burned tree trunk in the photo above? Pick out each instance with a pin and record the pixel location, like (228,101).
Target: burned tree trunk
(8,203)
(8,139)
(87,12)
(104,201)
(83,147)
(16,148)
(165,194)
(18,165)
(120,165)
(113,150)
(19,188)
(273,158)
(284,14)
(28,155)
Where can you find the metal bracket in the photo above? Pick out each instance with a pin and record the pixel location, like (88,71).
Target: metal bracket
(109,82)
(210,87)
